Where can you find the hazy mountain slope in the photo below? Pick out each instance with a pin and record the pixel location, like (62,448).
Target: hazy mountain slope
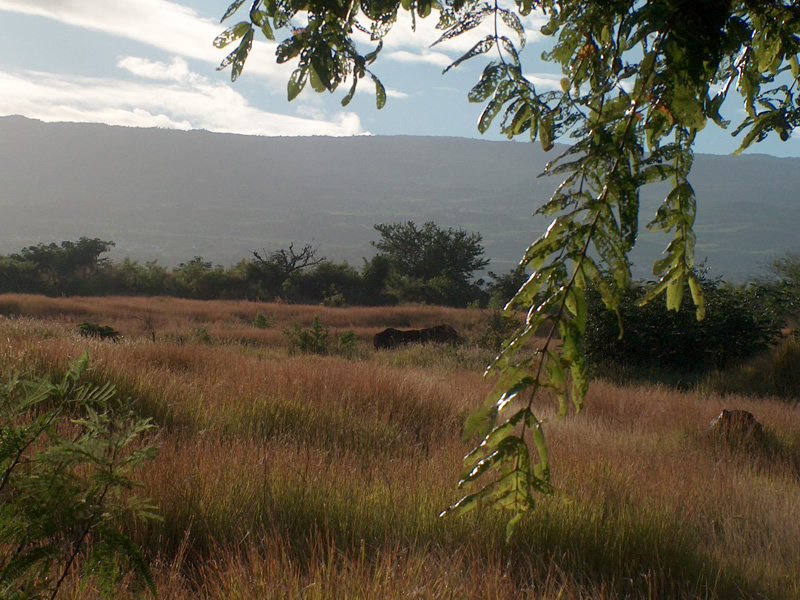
(170,195)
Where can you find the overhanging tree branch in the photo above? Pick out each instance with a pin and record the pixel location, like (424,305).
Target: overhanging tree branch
(637,86)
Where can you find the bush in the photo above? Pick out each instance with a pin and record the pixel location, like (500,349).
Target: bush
(262,321)
(101,332)
(312,340)
(347,342)
(654,340)
(66,461)
(316,340)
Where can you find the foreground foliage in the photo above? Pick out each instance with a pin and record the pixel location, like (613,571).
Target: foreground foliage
(67,454)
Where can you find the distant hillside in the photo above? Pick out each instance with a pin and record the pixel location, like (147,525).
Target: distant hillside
(171,195)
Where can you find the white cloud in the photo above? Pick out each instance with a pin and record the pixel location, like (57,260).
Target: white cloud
(366,87)
(397,94)
(433,58)
(177,70)
(171,27)
(545,81)
(173,98)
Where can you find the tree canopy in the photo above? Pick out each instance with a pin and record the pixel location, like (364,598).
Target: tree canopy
(439,263)
(640,80)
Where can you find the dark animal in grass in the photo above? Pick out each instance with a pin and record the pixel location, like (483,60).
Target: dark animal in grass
(737,428)
(394,338)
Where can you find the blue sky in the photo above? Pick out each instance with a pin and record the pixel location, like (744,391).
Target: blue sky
(151,63)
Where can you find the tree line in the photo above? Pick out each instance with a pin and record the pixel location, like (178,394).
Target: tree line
(413,263)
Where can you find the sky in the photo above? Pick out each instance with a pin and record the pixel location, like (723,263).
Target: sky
(151,63)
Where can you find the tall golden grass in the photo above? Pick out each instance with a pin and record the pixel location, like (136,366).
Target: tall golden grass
(322,477)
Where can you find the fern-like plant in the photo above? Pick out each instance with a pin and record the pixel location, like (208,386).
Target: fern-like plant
(67,454)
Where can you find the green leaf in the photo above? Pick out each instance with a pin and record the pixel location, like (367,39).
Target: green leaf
(512,525)
(546,132)
(77,367)
(496,436)
(512,21)
(491,76)
(541,470)
(482,47)
(314,79)
(297,82)
(698,296)
(289,49)
(766,54)
(238,56)
(370,58)
(465,23)
(231,34)
(380,93)
(346,100)
(494,105)
(525,7)
(558,380)
(480,422)
(267,30)
(232,9)
(675,293)
(424,8)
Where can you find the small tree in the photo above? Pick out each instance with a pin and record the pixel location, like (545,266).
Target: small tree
(431,264)
(272,270)
(66,268)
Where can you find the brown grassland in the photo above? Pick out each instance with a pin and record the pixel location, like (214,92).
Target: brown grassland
(301,476)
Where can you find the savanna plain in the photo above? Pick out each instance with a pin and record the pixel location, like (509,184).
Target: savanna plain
(284,474)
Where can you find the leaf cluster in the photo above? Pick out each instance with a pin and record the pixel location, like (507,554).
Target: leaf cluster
(68,451)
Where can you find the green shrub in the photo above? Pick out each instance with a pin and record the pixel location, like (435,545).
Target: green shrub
(654,340)
(102,332)
(311,340)
(348,342)
(317,340)
(262,321)
(66,459)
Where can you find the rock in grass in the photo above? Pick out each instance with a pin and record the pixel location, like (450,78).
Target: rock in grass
(394,338)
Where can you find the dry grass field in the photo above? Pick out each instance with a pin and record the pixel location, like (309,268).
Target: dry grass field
(300,476)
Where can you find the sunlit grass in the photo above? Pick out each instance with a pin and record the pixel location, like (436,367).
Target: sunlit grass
(322,477)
